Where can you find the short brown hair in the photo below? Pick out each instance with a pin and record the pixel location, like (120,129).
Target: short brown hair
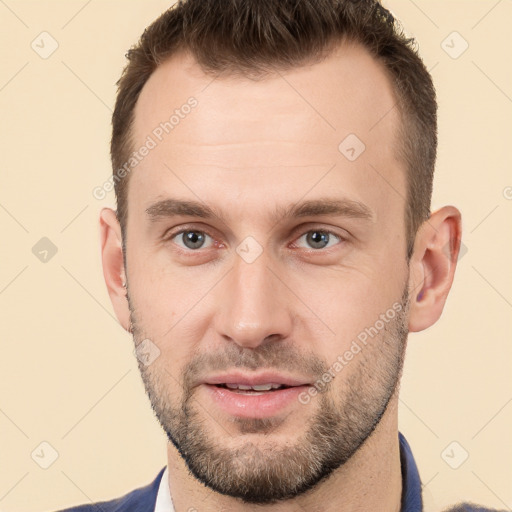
(255,37)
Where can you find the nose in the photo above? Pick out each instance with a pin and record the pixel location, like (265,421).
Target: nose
(254,305)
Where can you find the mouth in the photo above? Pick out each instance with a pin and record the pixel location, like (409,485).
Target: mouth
(253,390)
(254,396)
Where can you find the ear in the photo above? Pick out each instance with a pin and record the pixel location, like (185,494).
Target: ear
(432,266)
(113,266)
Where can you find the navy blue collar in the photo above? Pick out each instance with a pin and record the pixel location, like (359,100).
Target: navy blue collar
(411,483)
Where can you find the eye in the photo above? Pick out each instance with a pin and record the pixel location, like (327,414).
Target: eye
(320,239)
(190,239)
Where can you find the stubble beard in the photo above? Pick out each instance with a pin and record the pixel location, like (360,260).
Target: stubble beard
(266,471)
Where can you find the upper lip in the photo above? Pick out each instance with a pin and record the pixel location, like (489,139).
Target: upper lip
(257,379)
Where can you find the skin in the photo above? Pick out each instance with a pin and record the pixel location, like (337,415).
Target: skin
(247,148)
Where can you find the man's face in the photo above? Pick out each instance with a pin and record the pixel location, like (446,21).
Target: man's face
(251,296)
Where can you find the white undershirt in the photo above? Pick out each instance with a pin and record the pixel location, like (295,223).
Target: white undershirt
(163,498)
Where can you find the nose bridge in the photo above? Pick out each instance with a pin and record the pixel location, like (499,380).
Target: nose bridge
(253,303)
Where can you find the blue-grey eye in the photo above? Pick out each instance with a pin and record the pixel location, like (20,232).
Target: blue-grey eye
(191,239)
(318,239)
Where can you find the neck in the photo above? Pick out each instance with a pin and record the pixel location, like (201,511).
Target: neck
(370,480)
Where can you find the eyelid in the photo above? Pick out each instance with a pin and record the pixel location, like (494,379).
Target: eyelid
(170,233)
(318,226)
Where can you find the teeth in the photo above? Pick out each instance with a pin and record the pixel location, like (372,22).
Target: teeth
(237,386)
(260,387)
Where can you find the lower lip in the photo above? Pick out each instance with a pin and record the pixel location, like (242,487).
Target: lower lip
(257,405)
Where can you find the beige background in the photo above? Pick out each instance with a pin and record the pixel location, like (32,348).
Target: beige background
(68,374)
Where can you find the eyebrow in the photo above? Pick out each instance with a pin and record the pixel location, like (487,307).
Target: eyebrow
(310,208)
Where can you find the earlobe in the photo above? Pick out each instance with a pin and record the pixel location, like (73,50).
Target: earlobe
(433,266)
(113,265)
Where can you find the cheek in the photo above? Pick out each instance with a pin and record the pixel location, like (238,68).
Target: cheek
(167,309)
(158,296)
(154,310)
(352,302)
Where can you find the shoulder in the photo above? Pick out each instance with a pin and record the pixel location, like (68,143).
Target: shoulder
(470,507)
(139,500)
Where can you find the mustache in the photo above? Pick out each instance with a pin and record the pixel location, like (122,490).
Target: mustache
(276,356)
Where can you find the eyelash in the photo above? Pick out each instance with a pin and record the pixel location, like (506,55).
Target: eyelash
(169,237)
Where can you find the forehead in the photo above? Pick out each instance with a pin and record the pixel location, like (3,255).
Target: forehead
(347,90)
(242,130)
